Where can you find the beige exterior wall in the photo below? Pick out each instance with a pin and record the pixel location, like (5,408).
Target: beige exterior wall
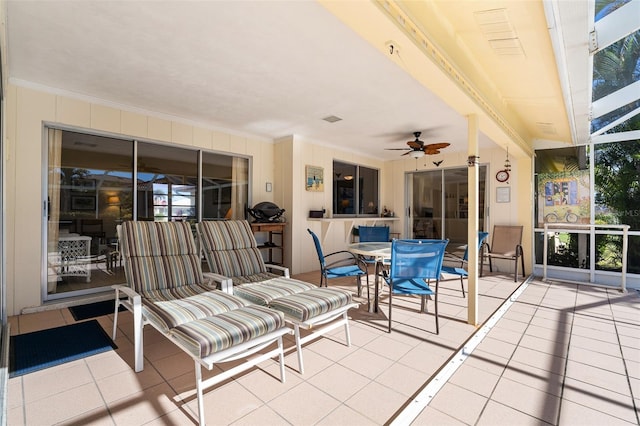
(27,110)
(280,162)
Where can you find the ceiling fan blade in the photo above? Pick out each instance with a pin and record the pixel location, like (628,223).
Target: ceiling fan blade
(437,145)
(415,144)
(407,153)
(431,151)
(397,149)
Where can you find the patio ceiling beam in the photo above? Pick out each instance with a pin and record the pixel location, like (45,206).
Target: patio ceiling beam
(617,137)
(616,25)
(616,122)
(616,100)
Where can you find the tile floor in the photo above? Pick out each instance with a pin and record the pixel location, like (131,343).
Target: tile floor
(561,355)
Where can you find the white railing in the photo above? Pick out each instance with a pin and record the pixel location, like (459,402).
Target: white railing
(572,228)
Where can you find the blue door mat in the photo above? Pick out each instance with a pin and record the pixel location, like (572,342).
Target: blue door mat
(47,348)
(93,310)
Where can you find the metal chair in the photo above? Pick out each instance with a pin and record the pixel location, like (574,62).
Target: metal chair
(453,270)
(506,244)
(414,263)
(368,234)
(346,264)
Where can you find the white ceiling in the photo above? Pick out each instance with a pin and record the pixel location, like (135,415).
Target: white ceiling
(271,69)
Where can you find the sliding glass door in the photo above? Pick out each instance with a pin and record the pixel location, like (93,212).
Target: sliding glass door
(439,204)
(93,186)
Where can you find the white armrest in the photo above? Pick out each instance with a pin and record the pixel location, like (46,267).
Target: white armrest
(223,282)
(283,269)
(130,293)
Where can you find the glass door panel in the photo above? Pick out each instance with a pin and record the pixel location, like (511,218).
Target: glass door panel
(167,183)
(88,194)
(225,186)
(440,204)
(426,207)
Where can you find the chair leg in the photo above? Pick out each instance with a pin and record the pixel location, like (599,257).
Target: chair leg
(515,271)
(390,300)
(436,310)
(281,359)
(347,333)
(138,325)
(359,286)
(462,285)
(115,318)
(299,348)
(199,394)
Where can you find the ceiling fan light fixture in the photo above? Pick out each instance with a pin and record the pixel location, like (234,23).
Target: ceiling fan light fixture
(417,154)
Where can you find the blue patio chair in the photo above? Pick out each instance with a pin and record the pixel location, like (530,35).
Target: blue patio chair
(367,234)
(459,270)
(414,263)
(346,264)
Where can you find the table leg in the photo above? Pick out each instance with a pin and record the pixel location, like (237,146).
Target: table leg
(376,293)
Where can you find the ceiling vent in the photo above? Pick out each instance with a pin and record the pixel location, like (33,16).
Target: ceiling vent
(499,32)
(547,128)
(332,119)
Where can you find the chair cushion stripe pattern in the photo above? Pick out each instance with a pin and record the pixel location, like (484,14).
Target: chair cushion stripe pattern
(311,303)
(210,335)
(262,293)
(255,278)
(160,255)
(231,248)
(167,310)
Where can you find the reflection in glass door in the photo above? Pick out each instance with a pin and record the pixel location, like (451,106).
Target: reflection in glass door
(88,194)
(440,204)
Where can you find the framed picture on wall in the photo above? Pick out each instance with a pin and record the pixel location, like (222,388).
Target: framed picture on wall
(83,202)
(503,194)
(314,178)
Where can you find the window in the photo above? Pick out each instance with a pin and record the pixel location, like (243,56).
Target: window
(355,190)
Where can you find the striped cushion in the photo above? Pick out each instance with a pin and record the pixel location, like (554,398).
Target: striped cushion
(311,303)
(160,255)
(262,293)
(167,309)
(214,334)
(230,248)
(255,278)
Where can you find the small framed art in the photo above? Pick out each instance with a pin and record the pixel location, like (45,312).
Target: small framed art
(503,194)
(314,178)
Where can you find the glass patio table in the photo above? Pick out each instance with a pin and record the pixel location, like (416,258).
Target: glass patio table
(379,251)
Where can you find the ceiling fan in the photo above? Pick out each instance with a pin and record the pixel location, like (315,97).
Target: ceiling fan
(417,148)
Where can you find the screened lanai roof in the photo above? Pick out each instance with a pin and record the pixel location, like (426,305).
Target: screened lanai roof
(615,49)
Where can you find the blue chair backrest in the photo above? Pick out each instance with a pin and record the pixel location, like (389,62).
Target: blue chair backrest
(417,258)
(316,241)
(373,233)
(481,237)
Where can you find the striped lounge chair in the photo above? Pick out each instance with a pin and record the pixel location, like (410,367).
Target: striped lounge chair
(231,252)
(167,289)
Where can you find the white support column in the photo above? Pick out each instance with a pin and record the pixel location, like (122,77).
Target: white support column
(472,227)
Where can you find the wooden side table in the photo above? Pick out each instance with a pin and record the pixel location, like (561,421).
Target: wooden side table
(274,229)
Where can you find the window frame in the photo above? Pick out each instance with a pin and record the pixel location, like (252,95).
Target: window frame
(357,190)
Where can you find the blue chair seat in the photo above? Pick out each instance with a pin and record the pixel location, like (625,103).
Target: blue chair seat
(412,286)
(344,271)
(454,270)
